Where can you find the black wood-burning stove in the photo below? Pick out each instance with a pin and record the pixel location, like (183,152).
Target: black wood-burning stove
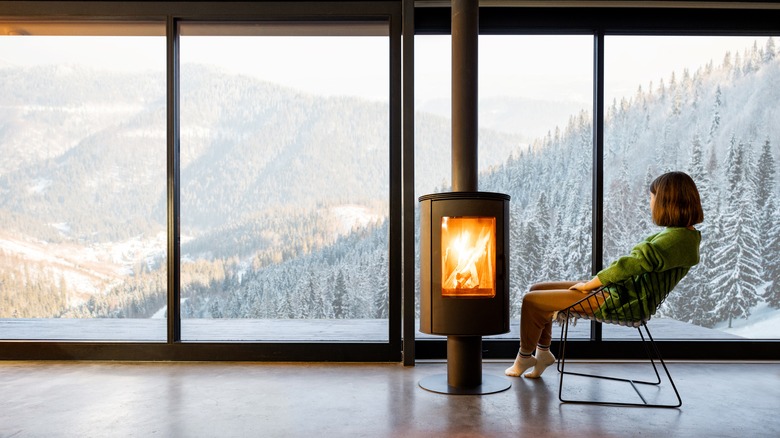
(464,238)
(464,284)
(464,250)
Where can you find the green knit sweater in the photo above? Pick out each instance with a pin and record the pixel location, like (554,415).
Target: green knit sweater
(641,280)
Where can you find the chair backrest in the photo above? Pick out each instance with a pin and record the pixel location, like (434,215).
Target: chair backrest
(631,303)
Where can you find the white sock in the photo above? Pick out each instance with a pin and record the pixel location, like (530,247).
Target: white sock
(521,364)
(543,360)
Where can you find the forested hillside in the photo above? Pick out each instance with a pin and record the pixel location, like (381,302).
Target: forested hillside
(262,238)
(83,191)
(721,124)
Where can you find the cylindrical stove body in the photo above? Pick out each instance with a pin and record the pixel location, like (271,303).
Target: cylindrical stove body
(464,289)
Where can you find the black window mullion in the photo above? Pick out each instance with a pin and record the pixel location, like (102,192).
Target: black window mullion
(173,200)
(598,165)
(407,183)
(396,265)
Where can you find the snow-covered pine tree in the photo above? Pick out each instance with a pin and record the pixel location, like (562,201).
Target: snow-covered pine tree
(554,254)
(380,287)
(340,297)
(696,166)
(736,71)
(538,237)
(715,125)
(579,246)
(736,281)
(313,301)
(685,301)
(619,220)
(677,91)
(769,50)
(641,210)
(734,169)
(286,310)
(519,257)
(765,176)
(765,195)
(772,261)
(752,60)
(576,219)
(614,140)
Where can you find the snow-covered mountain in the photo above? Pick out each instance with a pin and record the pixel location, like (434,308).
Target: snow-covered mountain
(245,254)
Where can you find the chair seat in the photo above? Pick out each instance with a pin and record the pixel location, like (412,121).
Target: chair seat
(614,321)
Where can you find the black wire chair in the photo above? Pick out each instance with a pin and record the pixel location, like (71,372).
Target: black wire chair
(609,306)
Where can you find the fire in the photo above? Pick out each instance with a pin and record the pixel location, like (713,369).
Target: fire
(468,256)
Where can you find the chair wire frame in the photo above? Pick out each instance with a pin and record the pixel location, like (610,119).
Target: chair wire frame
(600,302)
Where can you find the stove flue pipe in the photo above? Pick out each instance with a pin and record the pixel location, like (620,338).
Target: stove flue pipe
(465,39)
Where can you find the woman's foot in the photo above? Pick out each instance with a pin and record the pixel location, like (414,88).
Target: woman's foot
(521,364)
(543,360)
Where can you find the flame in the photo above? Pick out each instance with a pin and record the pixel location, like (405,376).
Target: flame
(468,256)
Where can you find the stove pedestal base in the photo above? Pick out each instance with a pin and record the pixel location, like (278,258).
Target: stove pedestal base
(464,370)
(490,385)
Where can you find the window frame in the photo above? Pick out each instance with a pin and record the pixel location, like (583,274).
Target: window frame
(170,15)
(601,22)
(406,18)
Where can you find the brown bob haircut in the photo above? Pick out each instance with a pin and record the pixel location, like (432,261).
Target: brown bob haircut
(677,201)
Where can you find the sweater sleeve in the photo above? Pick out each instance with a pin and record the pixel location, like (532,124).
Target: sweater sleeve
(659,252)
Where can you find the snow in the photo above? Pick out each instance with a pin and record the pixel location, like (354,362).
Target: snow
(91,108)
(764,323)
(94,268)
(160,314)
(40,186)
(130,251)
(65,263)
(62,227)
(86,269)
(352,216)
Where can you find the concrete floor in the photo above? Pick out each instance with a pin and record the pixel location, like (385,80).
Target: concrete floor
(316,400)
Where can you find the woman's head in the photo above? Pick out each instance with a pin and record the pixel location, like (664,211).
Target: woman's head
(677,202)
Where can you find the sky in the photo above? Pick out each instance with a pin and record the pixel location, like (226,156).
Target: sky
(561,67)
(540,67)
(321,65)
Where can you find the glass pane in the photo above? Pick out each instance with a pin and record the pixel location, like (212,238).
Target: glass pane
(468,248)
(285,183)
(82,182)
(707,106)
(535,144)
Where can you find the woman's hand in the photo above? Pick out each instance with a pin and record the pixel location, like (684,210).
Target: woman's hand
(582,287)
(587,287)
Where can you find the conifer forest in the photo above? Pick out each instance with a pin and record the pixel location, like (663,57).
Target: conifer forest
(284,194)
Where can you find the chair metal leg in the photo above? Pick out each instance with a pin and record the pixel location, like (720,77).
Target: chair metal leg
(650,350)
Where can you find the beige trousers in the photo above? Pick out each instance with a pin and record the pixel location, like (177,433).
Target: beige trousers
(539,304)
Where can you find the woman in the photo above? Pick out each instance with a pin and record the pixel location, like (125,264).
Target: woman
(675,204)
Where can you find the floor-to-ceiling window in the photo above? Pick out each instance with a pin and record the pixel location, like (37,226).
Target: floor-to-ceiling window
(535,144)
(243,170)
(83,234)
(82,181)
(285,181)
(707,106)
(665,96)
